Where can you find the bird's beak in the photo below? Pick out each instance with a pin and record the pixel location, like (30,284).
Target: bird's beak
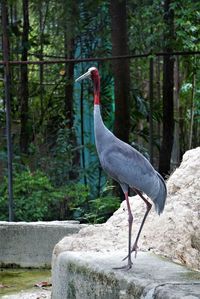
(84,76)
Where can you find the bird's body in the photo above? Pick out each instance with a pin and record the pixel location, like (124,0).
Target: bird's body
(125,165)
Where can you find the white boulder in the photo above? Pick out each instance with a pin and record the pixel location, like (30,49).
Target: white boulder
(175,234)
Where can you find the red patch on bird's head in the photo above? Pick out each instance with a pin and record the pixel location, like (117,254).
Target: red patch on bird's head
(94,74)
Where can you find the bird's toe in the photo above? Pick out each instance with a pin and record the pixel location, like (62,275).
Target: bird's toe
(124,268)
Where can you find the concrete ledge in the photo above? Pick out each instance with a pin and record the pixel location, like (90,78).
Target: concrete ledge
(30,244)
(90,275)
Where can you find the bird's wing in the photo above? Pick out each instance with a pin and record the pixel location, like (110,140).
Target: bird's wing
(127,166)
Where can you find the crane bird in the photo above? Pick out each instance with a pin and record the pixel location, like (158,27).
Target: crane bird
(126,166)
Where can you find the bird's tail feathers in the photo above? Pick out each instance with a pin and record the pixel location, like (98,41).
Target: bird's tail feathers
(162,195)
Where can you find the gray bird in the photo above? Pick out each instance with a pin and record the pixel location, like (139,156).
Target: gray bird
(126,166)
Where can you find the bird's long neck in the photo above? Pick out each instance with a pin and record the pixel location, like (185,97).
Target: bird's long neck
(97,90)
(97,112)
(99,127)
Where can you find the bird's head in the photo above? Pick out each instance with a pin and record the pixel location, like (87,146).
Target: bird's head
(92,73)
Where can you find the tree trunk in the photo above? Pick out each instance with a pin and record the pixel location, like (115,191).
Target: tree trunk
(42,22)
(151,92)
(70,13)
(7,82)
(24,135)
(121,71)
(157,97)
(175,159)
(69,48)
(192,109)
(168,85)
(69,54)
(41,67)
(82,135)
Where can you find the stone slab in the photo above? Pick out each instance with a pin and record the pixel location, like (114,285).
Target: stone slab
(90,275)
(30,244)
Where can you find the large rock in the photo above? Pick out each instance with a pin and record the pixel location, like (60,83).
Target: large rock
(90,275)
(175,234)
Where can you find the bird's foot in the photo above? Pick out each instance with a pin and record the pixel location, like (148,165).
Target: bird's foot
(124,268)
(134,248)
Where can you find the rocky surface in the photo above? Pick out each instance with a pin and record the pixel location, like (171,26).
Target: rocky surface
(33,294)
(90,275)
(175,234)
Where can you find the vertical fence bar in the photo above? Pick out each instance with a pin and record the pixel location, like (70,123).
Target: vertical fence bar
(7,82)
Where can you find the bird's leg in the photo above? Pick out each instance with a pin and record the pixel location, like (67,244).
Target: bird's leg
(148,208)
(130,221)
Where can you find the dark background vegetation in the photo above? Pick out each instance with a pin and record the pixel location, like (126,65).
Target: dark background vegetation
(152,102)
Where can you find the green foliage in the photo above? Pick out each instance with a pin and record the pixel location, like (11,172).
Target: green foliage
(35,198)
(100,209)
(187,25)
(145,26)
(59,163)
(31,193)
(74,203)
